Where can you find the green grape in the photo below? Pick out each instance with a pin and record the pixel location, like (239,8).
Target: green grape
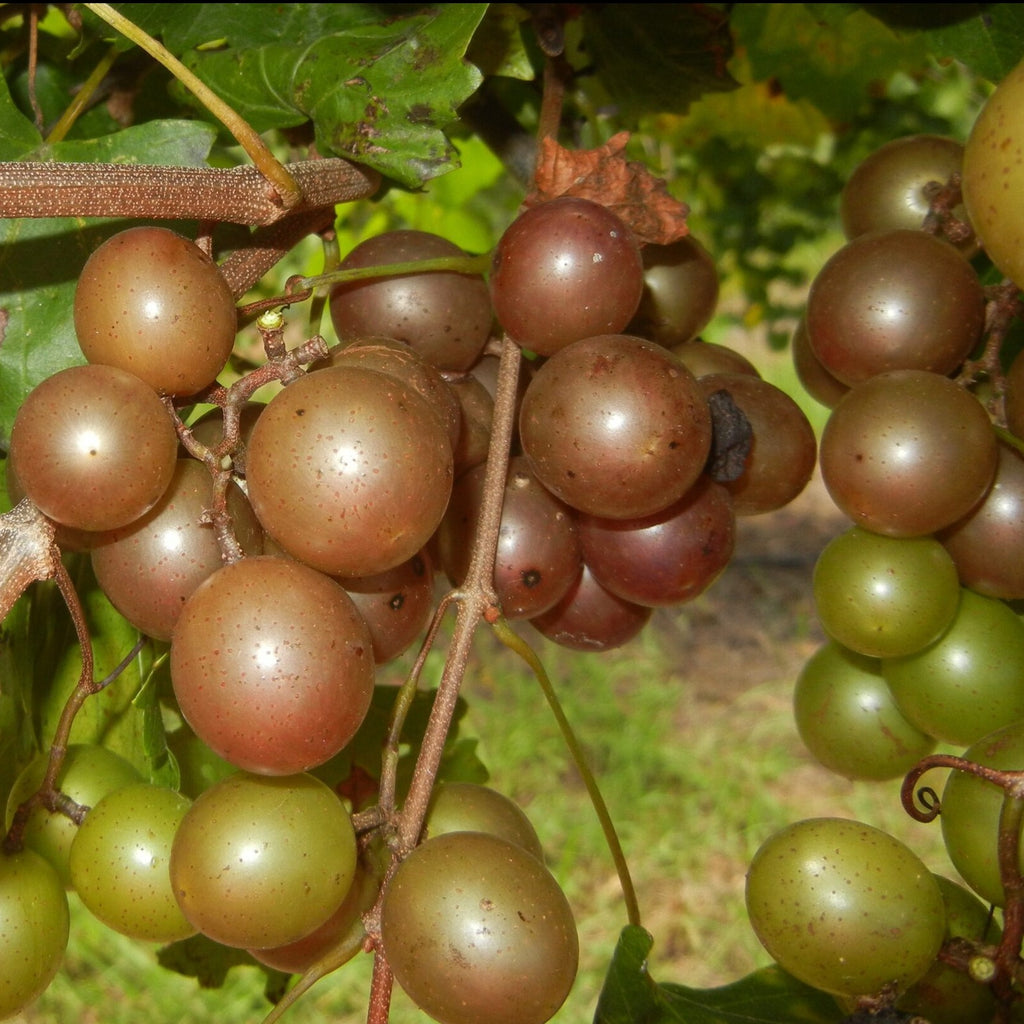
(467,807)
(885,596)
(88,774)
(845,907)
(261,861)
(946,995)
(34,926)
(848,719)
(119,861)
(968,682)
(971,808)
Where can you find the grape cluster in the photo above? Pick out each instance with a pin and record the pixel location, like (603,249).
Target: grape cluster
(286,549)
(901,340)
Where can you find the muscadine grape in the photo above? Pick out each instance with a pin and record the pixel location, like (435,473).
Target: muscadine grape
(34,927)
(260,862)
(968,682)
(272,665)
(894,300)
(469,807)
(87,774)
(970,812)
(845,907)
(565,270)
(887,189)
(848,719)
(616,426)
(153,303)
(476,928)
(445,316)
(150,567)
(93,447)
(349,470)
(680,292)
(885,596)
(994,172)
(908,453)
(119,860)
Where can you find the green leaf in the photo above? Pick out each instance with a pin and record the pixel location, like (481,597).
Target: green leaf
(17,134)
(834,63)
(40,260)
(991,43)
(380,91)
(658,57)
(769,996)
(208,962)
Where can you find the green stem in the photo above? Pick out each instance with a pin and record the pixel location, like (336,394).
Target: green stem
(452,264)
(512,640)
(82,98)
(287,189)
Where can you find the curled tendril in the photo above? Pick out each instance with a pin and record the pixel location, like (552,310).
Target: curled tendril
(926,808)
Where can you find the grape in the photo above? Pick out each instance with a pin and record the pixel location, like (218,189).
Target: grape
(396,604)
(397,359)
(848,719)
(887,189)
(816,380)
(703,357)
(968,682)
(153,303)
(342,931)
(538,556)
(444,316)
(680,292)
(946,995)
(87,774)
(468,807)
(119,860)
(783,450)
(34,926)
(260,862)
(565,270)
(907,453)
(591,618)
(272,665)
(845,907)
(987,545)
(994,172)
(971,808)
(885,596)
(93,447)
(349,470)
(475,928)
(895,300)
(616,426)
(150,567)
(666,558)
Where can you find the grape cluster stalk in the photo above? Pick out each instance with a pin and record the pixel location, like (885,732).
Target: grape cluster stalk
(905,339)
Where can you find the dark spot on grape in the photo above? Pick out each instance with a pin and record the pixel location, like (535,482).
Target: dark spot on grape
(300,412)
(396,602)
(531,578)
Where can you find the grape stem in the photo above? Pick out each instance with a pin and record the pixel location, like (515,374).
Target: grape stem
(1006,958)
(516,643)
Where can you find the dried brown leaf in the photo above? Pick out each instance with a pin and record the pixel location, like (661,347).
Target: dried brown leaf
(605,176)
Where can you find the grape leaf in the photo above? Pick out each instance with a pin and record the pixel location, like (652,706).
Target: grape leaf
(208,962)
(833,63)
(658,57)
(605,176)
(380,91)
(41,258)
(768,996)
